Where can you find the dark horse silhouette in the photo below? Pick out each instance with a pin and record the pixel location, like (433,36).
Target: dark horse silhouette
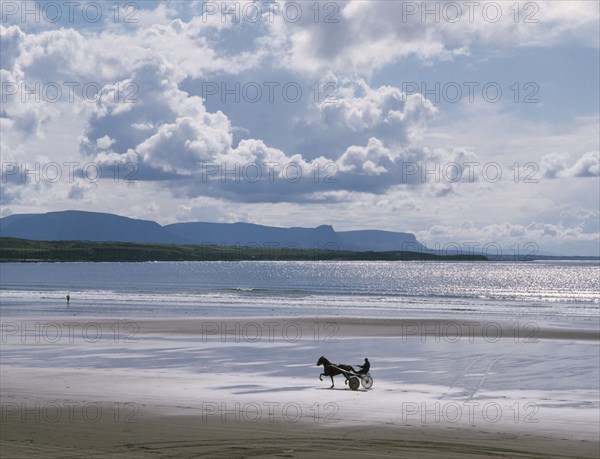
(333,369)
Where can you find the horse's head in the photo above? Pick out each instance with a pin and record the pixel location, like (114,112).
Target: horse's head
(321,361)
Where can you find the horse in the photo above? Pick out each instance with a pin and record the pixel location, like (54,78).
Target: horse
(333,369)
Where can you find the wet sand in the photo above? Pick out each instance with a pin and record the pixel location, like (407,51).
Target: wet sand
(191,437)
(74,397)
(337,327)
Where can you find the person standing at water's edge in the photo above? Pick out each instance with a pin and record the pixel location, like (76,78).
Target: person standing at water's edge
(68,299)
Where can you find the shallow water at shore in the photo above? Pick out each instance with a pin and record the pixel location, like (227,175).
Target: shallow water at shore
(545,291)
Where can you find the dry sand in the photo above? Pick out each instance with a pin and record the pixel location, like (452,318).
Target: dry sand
(191,437)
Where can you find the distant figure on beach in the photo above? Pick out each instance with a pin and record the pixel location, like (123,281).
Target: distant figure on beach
(364,368)
(68,299)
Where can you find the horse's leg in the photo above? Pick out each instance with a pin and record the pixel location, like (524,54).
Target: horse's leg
(346,377)
(331,376)
(320,376)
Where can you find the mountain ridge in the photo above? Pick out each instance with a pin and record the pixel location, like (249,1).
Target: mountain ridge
(71,225)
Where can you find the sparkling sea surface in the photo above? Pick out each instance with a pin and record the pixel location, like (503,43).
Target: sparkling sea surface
(552,290)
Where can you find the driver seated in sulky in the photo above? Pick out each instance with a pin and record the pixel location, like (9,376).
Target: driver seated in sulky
(364,368)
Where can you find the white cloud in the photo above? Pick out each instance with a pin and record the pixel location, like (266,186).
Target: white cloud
(369,35)
(104,143)
(184,145)
(385,112)
(365,159)
(11,39)
(555,165)
(586,166)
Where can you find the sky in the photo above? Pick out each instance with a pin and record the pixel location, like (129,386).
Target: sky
(470,124)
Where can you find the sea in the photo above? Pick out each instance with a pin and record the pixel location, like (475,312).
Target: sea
(564,291)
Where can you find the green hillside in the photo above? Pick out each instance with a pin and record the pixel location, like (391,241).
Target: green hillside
(24,250)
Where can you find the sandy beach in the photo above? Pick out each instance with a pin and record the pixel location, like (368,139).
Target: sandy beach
(212,387)
(190,437)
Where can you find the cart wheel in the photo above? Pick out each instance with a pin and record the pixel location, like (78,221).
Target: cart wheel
(354,383)
(367,381)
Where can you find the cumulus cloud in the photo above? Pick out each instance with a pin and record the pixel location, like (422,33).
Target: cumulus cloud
(11,39)
(367,36)
(385,112)
(586,166)
(77,191)
(171,135)
(168,129)
(556,165)
(358,113)
(184,145)
(553,164)
(366,159)
(359,38)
